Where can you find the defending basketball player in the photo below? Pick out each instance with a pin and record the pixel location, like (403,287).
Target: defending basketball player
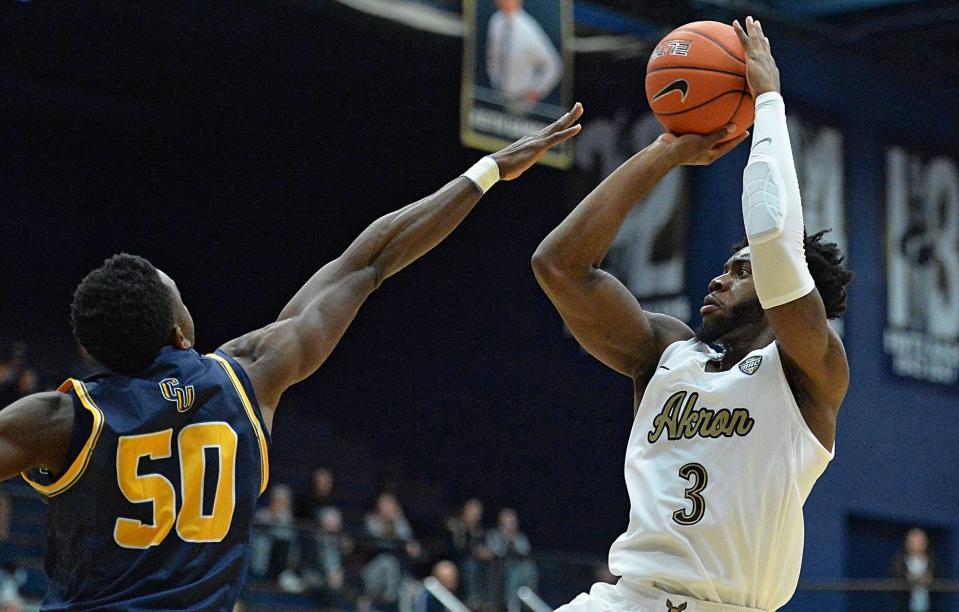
(152,470)
(735,422)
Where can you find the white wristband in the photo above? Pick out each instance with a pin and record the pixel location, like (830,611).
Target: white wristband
(484,173)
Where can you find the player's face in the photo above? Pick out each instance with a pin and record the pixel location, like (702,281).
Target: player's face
(731,303)
(509,6)
(182,316)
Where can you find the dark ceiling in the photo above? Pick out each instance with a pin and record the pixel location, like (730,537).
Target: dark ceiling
(910,37)
(906,35)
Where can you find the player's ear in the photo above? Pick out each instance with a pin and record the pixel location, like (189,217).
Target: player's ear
(179,340)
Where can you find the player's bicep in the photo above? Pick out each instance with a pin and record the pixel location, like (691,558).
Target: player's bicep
(285,352)
(608,321)
(35,432)
(804,337)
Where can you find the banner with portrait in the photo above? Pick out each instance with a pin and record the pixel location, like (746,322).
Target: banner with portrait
(517,71)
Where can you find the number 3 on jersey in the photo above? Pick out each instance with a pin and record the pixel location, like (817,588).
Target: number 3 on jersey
(192,525)
(696,474)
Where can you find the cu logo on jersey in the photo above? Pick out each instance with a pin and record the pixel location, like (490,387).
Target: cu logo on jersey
(671,608)
(180,395)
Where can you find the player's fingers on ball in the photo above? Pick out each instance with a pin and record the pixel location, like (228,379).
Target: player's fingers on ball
(721,133)
(740,32)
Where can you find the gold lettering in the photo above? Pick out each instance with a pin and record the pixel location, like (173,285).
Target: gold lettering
(689,418)
(667,418)
(680,419)
(745,423)
(720,425)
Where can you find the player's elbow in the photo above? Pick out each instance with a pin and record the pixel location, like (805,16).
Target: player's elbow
(373,275)
(544,264)
(549,268)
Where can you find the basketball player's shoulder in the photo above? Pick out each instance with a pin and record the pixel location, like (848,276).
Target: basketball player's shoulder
(668,330)
(41,424)
(51,406)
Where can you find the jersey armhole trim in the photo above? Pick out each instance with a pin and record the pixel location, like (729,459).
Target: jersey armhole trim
(254,421)
(671,350)
(79,465)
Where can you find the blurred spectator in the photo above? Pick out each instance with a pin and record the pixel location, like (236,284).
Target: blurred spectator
(448,576)
(511,548)
(395,545)
(320,497)
(17,378)
(323,570)
(467,546)
(10,580)
(914,565)
(274,544)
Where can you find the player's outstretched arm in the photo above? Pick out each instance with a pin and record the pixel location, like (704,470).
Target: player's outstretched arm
(35,432)
(600,311)
(772,212)
(312,323)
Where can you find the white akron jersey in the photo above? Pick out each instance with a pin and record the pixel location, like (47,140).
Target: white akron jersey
(718,467)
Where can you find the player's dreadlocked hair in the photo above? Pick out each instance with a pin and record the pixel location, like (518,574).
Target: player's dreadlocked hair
(122,313)
(825,263)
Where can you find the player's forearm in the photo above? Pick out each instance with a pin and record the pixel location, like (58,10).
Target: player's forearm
(393,241)
(581,241)
(403,236)
(772,209)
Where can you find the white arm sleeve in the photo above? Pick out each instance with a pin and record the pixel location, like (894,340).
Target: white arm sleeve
(772,209)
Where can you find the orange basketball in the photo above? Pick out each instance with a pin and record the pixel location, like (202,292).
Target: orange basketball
(696,80)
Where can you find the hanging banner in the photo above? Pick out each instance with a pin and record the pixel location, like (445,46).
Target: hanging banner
(517,72)
(818,154)
(922,266)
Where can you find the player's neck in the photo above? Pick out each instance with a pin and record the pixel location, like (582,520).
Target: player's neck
(743,341)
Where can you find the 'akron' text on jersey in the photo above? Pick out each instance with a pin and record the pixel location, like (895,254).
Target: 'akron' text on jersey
(680,418)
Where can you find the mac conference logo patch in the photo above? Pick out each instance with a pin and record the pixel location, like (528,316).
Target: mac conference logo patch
(749,366)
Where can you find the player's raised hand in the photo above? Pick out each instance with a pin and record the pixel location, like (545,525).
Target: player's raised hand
(516,158)
(761,71)
(697,150)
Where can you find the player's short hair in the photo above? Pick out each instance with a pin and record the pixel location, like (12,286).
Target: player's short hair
(123,313)
(826,265)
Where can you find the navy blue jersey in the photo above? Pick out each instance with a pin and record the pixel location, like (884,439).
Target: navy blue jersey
(155,511)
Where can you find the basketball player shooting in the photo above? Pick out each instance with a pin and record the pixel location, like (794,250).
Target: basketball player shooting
(152,470)
(735,422)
